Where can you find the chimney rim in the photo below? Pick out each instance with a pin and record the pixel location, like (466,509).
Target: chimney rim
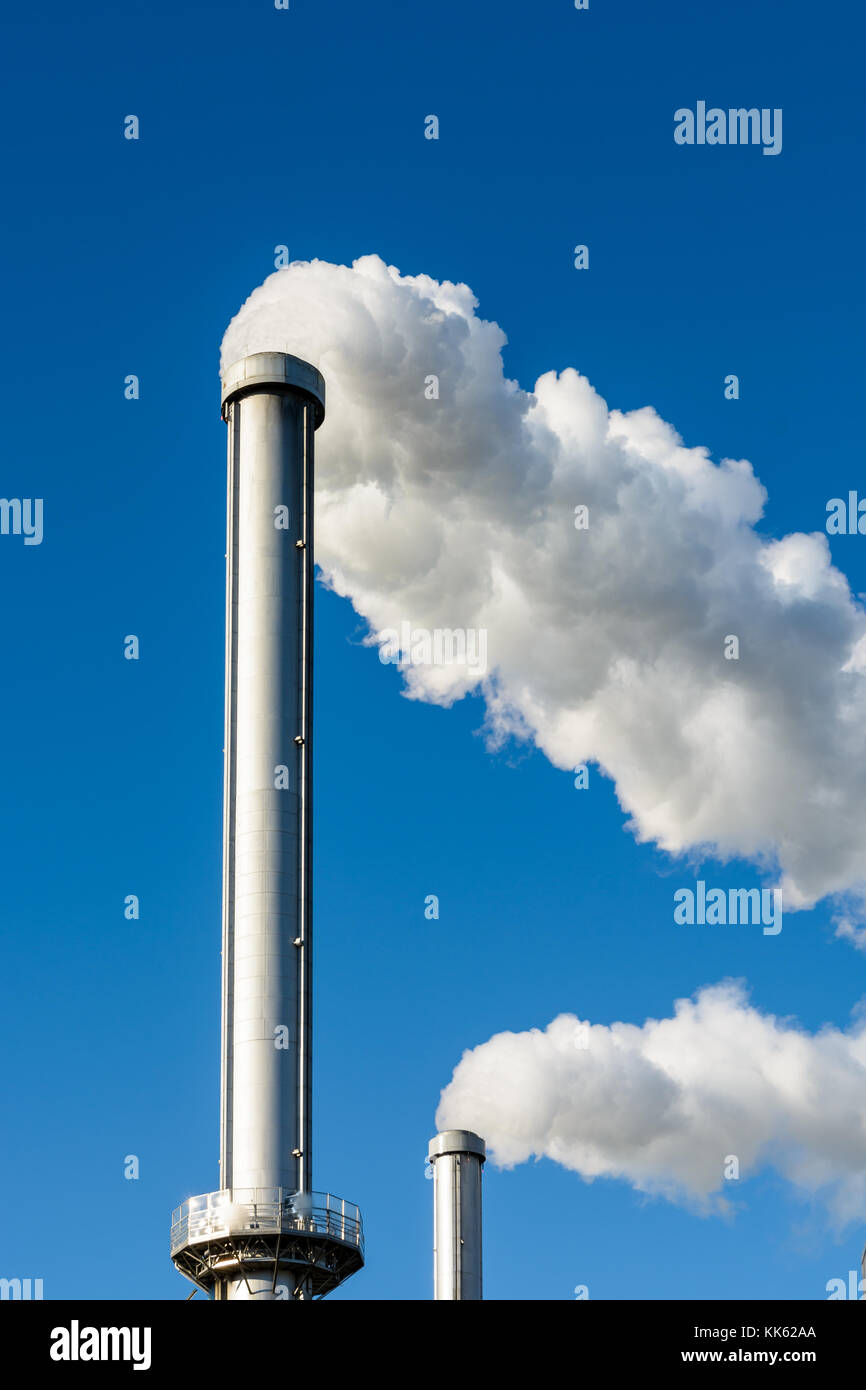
(275,372)
(457,1141)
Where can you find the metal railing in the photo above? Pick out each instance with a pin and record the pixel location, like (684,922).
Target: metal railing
(265,1209)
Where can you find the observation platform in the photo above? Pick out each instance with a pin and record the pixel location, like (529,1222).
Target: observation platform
(312,1236)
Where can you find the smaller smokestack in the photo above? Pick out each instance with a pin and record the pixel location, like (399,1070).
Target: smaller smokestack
(457,1156)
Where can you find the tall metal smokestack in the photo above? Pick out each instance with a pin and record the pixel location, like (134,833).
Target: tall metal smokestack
(266,1233)
(457,1156)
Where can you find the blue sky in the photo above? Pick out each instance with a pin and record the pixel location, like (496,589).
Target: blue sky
(306,128)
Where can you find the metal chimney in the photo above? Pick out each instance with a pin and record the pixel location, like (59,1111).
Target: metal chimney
(457,1156)
(266,1234)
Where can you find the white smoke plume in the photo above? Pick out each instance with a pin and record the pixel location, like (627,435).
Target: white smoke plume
(604,644)
(665,1106)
